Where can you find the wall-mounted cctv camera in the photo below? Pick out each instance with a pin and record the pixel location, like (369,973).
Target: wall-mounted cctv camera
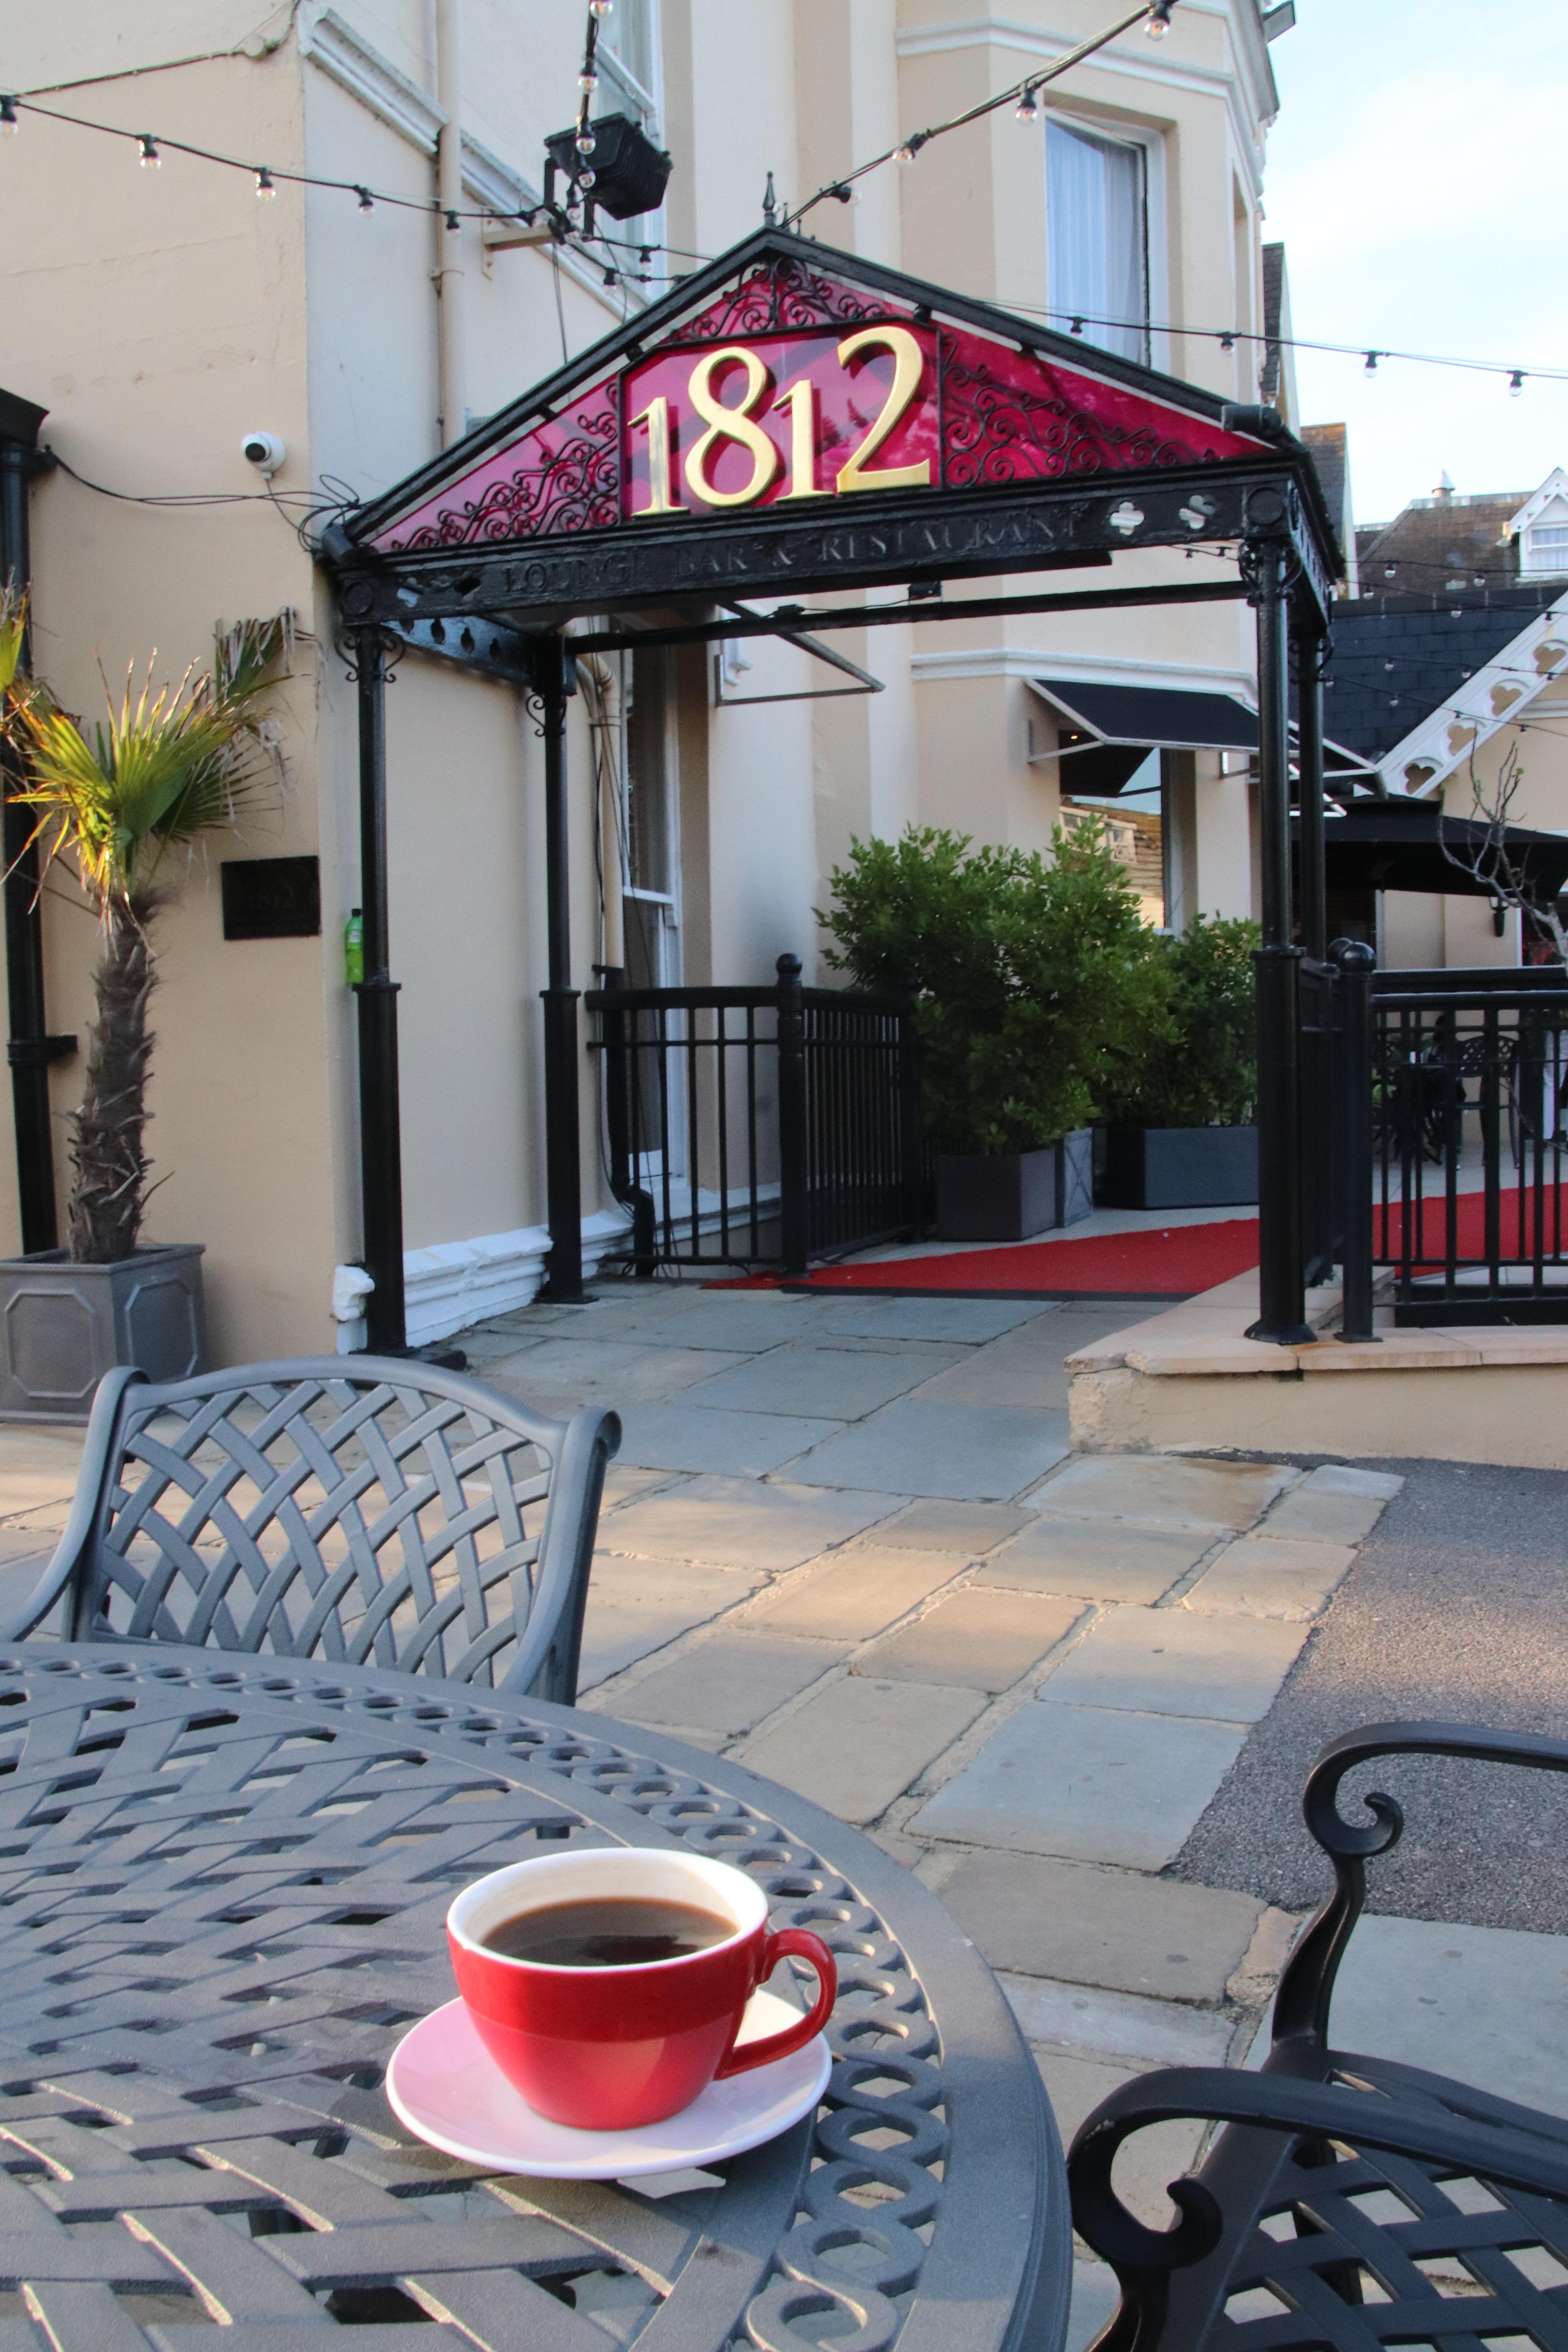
(265,451)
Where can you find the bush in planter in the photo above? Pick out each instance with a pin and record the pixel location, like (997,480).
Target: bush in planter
(1027,975)
(1201,1068)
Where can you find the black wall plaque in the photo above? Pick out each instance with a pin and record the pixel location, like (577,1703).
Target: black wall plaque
(271,898)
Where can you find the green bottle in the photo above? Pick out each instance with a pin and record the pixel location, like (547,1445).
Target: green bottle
(354,949)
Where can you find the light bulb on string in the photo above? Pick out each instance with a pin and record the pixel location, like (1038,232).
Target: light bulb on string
(1159,23)
(587,179)
(453,224)
(907,149)
(263,187)
(150,159)
(1370,367)
(366,201)
(600,8)
(588,80)
(1516,383)
(586,142)
(1227,343)
(1028,107)
(9,123)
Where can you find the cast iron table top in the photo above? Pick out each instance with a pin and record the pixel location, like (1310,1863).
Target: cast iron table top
(222,1882)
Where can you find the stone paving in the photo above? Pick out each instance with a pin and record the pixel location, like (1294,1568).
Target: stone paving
(844,1543)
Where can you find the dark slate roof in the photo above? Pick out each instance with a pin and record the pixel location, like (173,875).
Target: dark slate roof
(1439,541)
(1330,454)
(1397,659)
(1273,304)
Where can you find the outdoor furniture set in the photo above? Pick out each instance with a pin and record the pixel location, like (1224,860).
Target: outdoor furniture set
(318,1626)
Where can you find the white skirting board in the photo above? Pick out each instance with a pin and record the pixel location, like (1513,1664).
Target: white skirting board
(454,1284)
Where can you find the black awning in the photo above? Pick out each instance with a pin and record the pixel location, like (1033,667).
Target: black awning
(1393,844)
(1153,717)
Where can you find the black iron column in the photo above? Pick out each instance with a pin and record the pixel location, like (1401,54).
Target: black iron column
(1310,642)
(29,1048)
(380,1129)
(1356,963)
(1282,1283)
(555,678)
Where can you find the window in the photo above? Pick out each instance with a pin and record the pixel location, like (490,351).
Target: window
(1097,238)
(1548,545)
(630,83)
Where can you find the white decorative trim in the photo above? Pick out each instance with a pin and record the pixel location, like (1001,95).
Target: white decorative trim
(454,1284)
(493,184)
(373,78)
(1086,669)
(1555,486)
(1492,698)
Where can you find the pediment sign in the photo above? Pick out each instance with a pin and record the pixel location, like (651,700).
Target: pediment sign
(793,389)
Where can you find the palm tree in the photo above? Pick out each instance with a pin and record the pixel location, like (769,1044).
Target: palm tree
(162,768)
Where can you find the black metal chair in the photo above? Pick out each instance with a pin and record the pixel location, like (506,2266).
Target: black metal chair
(1350,2201)
(351,1509)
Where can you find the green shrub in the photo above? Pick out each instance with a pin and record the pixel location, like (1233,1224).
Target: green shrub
(1204,1070)
(1032,980)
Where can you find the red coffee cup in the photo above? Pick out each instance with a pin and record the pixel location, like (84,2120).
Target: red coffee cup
(607,2049)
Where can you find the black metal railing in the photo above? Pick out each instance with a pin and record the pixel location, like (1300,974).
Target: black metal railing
(1322,1126)
(758,1126)
(1464,1162)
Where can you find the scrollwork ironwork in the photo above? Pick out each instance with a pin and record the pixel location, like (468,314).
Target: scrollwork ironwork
(574,487)
(786,294)
(988,427)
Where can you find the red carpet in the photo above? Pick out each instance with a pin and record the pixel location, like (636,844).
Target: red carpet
(1161,1262)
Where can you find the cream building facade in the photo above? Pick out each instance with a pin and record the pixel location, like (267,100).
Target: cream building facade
(162,315)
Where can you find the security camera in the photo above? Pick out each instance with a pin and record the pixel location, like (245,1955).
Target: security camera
(265,451)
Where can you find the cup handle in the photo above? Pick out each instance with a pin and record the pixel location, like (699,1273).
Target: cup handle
(798,1943)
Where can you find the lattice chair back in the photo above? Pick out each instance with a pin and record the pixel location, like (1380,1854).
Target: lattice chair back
(354,1510)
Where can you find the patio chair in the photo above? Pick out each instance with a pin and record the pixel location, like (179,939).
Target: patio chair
(1350,2201)
(348,1509)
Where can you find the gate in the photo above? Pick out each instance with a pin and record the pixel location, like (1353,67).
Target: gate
(758,1126)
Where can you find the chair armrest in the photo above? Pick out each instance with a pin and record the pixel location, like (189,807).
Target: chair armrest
(547,1656)
(73,1553)
(1272,2102)
(1307,1982)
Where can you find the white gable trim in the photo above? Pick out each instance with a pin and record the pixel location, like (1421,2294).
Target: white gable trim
(1492,698)
(1555,486)
(1084,669)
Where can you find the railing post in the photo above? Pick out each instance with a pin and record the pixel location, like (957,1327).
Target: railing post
(794,1229)
(380,1142)
(555,678)
(909,1131)
(1356,963)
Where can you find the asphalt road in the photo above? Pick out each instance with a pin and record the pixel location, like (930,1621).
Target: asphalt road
(1457,1611)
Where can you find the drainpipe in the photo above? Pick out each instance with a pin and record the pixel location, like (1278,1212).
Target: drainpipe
(449,270)
(601,694)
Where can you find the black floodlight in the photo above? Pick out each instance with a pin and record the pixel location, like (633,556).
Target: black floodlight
(629,172)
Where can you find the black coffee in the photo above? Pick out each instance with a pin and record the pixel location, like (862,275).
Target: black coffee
(614,1932)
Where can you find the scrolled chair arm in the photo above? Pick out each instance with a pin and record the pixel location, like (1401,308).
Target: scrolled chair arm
(1307,1983)
(98,1452)
(1276,2102)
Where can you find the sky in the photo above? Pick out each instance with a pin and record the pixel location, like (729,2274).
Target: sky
(1414,175)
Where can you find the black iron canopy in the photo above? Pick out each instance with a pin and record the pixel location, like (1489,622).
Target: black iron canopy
(792,420)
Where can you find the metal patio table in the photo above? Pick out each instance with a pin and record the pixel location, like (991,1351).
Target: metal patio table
(222,1882)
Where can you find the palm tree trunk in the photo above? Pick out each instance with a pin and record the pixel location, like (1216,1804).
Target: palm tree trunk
(108,1166)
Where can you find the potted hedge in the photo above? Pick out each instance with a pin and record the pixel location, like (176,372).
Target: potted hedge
(162,768)
(1180,1099)
(1025,974)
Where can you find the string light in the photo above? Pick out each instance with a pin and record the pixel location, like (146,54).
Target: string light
(907,149)
(9,123)
(1159,23)
(453,224)
(366,201)
(1516,383)
(263,187)
(600,7)
(151,159)
(1370,367)
(1028,108)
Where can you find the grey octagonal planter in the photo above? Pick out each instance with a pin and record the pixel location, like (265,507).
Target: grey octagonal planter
(62,1327)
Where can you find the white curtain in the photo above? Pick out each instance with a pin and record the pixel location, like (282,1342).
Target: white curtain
(1096,239)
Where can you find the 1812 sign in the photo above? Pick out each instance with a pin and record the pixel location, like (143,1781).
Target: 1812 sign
(782,418)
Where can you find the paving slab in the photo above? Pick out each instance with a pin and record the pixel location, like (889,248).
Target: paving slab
(38,1467)
(857,1595)
(623,1480)
(742,1522)
(734,1444)
(966,1529)
(969,1320)
(857,1744)
(1324,1508)
(978,1640)
(1094,2299)
(1489,2005)
(815,1378)
(1088,1783)
(1041,1917)
(725,1681)
(636,1606)
(1117,2025)
(1266,1575)
(1164,1662)
(965,1452)
(1165,1489)
(617,1372)
(1025,1368)
(744,1324)
(1103,1560)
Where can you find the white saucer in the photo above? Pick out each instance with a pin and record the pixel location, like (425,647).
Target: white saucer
(443,2085)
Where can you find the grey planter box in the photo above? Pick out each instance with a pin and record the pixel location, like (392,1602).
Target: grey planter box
(982,1196)
(1181,1167)
(62,1327)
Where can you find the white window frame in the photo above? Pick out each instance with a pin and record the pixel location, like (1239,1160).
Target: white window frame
(1156,258)
(620,92)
